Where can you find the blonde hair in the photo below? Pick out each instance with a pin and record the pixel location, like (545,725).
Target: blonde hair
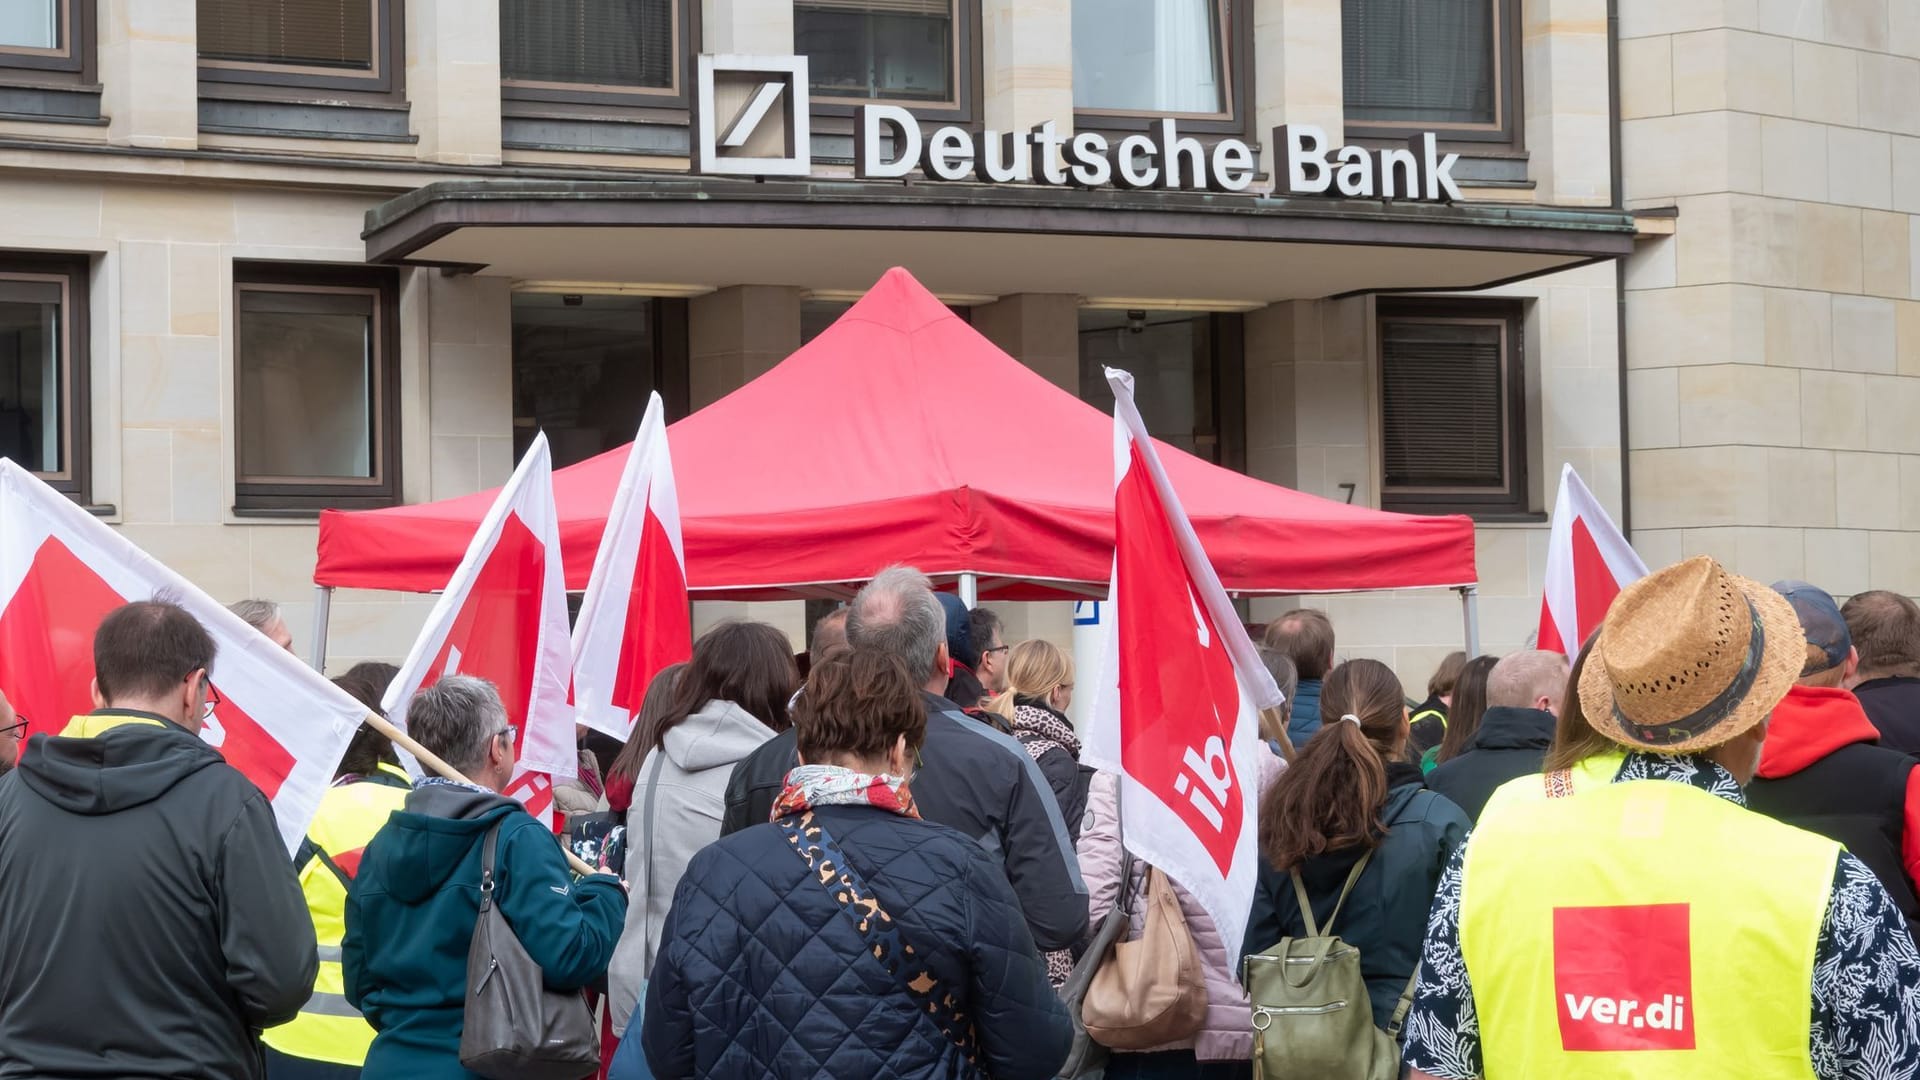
(1035,669)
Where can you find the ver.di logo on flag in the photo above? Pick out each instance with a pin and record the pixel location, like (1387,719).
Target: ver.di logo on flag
(751,116)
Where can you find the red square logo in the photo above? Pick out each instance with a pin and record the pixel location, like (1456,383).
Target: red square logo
(1623,977)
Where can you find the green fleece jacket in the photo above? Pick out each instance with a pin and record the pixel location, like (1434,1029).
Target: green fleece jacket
(411,913)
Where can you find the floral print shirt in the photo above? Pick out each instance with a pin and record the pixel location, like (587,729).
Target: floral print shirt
(1866,975)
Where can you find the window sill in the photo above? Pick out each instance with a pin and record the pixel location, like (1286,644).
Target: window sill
(1491,518)
(49,104)
(318,117)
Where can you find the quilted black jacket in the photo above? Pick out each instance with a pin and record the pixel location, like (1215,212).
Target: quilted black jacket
(761,973)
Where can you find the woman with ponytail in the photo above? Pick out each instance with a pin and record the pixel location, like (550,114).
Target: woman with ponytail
(1039,689)
(1351,792)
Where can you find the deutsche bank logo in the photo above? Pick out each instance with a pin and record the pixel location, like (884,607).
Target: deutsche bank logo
(751,116)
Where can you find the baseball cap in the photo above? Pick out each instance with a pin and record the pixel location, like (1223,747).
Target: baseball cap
(1820,618)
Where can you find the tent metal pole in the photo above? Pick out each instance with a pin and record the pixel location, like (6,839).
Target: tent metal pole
(1470,612)
(322,611)
(969,589)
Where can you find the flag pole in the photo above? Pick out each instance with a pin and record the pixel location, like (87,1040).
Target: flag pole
(432,761)
(322,612)
(1278,725)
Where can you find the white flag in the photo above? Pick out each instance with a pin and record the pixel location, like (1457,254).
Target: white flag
(62,570)
(634,619)
(1588,563)
(1176,713)
(503,617)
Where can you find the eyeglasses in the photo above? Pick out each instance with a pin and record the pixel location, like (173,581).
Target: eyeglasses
(998,648)
(511,731)
(18,730)
(213,701)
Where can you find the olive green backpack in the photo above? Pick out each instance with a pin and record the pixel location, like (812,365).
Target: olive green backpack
(1311,1013)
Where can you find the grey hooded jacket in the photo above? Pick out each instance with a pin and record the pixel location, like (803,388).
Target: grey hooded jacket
(688,798)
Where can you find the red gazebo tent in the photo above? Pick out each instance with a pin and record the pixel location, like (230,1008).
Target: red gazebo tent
(902,435)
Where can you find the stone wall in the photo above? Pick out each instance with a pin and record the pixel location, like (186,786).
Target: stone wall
(1775,339)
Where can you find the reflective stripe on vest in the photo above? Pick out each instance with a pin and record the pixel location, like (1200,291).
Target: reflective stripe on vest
(329,1028)
(1623,931)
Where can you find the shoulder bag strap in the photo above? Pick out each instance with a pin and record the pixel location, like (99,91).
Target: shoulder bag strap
(1306,904)
(861,905)
(1403,1006)
(486,868)
(646,845)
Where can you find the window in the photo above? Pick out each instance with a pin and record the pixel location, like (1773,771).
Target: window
(583,365)
(1189,376)
(618,46)
(880,50)
(44,402)
(1452,415)
(47,36)
(1446,66)
(343,44)
(318,388)
(1151,57)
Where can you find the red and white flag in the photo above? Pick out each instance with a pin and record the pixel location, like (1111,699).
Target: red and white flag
(503,617)
(634,619)
(1588,563)
(1176,713)
(62,570)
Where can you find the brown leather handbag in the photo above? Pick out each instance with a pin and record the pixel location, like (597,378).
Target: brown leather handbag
(1150,991)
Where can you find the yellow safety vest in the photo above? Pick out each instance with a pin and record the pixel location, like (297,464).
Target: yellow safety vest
(1644,929)
(1595,772)
(329,1028)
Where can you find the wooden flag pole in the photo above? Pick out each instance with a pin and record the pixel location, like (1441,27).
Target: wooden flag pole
(1277,724)
(432,761)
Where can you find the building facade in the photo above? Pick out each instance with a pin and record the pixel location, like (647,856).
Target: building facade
(264,257)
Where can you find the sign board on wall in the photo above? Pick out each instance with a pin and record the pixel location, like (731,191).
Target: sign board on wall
(751,119)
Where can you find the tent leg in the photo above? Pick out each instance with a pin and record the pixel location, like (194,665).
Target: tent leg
(1470,613)
(322,611)
(970,589)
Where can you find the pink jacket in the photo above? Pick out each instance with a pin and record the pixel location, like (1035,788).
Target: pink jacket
(1227,1034)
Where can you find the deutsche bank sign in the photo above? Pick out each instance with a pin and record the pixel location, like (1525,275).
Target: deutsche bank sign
(751,116)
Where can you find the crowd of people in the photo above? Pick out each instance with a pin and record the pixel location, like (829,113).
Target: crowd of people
(1701,834)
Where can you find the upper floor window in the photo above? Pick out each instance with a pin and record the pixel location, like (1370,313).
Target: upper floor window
(1452,407)
(1151,56)
(340,44)
(1446,66)
(44,401)
(881,50)
(46,36)
(608,46)
(317,366)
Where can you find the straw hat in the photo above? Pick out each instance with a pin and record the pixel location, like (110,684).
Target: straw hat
(1690,657)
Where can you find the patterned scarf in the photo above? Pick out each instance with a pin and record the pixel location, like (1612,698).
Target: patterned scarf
(811,786)
(1040,729)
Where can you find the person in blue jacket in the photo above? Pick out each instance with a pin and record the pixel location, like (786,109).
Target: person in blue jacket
(414,902)
(848,938)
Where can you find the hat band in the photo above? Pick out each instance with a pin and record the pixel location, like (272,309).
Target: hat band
(1698,722)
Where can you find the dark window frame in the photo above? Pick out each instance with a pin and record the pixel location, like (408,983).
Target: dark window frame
(287,498)
(1506,133)
(387,82)
(74,273)
(75,62)
(672,364)
(1236,46)
(1221,337)
(1514,500)
(676,99)
(968,102)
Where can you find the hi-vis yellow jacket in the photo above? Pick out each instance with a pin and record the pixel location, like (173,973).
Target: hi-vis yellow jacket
(328,1028)
(1627,930)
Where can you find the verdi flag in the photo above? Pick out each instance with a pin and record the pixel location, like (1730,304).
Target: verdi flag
(503,617)
(634,619)
(1588,563)
(62,570)
(1176,714)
